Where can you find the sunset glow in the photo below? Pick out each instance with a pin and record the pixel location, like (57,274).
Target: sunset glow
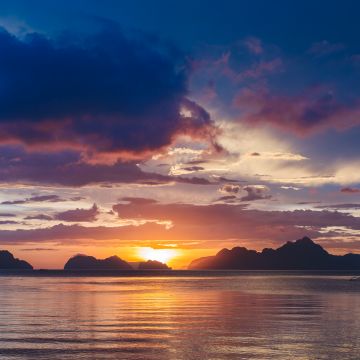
(162,255)
(180,179)
(244,134)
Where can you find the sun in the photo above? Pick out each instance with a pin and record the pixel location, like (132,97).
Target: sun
(162,255)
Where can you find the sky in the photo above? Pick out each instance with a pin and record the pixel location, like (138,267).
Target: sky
(168,130)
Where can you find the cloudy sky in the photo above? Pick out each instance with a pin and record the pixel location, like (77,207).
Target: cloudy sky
(181,126)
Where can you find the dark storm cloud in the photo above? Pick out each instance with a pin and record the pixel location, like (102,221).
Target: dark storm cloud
(105,92)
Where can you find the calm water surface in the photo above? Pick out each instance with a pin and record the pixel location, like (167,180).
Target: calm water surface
(234,316)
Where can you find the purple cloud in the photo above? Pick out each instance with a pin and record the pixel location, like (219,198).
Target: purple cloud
(349,190)
(40,198)
(256,192)
(313,110)
(7,215)
(210,224)
(39,217)
(78,215)
(66,168)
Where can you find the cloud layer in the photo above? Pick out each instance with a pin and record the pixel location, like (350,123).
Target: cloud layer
(209,225)
(67,168)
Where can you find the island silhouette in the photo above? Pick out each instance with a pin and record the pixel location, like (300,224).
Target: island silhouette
(9,262)
(302,254)
(84,262)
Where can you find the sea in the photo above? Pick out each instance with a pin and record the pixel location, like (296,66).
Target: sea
(194,315)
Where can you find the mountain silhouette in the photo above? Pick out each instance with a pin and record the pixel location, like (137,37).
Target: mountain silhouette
(153,265)
(83,262)
(303,254)
(8,262)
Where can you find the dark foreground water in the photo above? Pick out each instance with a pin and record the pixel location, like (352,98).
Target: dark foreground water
(204,316)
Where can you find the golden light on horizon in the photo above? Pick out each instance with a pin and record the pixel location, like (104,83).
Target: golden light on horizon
(162,255)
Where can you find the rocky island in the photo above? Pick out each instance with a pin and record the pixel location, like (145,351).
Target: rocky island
(84,262)
(9,262)
(302,254)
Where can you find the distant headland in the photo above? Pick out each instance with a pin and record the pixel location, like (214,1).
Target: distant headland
(302,254)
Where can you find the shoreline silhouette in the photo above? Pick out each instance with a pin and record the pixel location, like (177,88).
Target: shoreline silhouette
(300,255)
